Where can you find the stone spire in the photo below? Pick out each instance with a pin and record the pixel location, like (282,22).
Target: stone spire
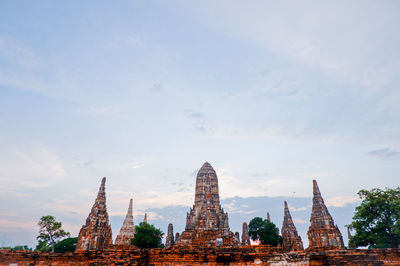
(268,218)
(145,218)
(245,235)
(169,241)
(96,233)
(127,231)
(291,239)
(206,221)
(349,237)
(322,231)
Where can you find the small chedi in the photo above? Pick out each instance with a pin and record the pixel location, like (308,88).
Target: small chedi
(207,221)
(245,235)
(96,233)
(127,231)
(291,239)
(322,231)
(169,241)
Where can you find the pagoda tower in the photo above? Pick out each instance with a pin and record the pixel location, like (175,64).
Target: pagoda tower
(291,239)
(96,233)
(322,231)
(206,221)
(127,231)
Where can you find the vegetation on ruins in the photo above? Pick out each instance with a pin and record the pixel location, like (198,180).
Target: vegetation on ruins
(264,231)
(49,233)
(377,220)
(147,236)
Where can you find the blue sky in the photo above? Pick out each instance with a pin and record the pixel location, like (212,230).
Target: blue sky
(272,94)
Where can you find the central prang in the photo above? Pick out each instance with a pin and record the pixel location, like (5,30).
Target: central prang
(207,222)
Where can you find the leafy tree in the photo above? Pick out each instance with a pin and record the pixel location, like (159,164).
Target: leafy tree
(50,231)
(377,220)
(66,245)
(265,231)
(43,246)
(147,236)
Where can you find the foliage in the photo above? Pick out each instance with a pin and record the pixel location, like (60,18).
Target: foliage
(43,246)
(66,245)
(50,231)
(377,219)
(265,231)
(19,247)
(147,236)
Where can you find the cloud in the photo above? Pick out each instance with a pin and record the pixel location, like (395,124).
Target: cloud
(18,54)
(341,201)
(384,153)
(198,120)
(354,43)
(30,167)
(300,221)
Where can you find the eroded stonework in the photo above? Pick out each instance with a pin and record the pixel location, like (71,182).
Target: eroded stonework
(322,231)
(127,231)
(291,239)
(169,241)
(245,235)
(207,221)
(96,233)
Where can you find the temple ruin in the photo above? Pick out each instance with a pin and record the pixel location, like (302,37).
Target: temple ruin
(206,222)
(127,231)
(291,239)
(96,233)
(322,231)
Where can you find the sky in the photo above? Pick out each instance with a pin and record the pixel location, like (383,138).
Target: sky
(273,94)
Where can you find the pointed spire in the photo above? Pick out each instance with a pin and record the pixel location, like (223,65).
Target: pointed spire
(127,231)
(349,236)
(268,218)
(96,233)
(145,218)
(245,235)
(322,231)
(291,239)
(169,241)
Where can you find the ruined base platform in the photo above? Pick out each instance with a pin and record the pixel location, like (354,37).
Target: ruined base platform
(249,255)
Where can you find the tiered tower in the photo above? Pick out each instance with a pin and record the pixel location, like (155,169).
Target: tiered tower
(96,233)
(291,239)
(127,231)
(169,241)
(207,221)
(322,231)
(245,235)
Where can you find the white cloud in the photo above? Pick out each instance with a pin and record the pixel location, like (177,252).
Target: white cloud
(354,42)
(30,167)
(18,54)
(341,201)
(299,221)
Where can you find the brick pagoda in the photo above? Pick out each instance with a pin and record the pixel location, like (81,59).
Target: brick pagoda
(127,231)
(245,235)
(322,231)
(96,233)
(291,239)
(207,221)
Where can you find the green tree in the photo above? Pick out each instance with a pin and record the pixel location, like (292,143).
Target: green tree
(147,236)
(50,231)
(265,231)
(66,245)
(43,246)
(377,220)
